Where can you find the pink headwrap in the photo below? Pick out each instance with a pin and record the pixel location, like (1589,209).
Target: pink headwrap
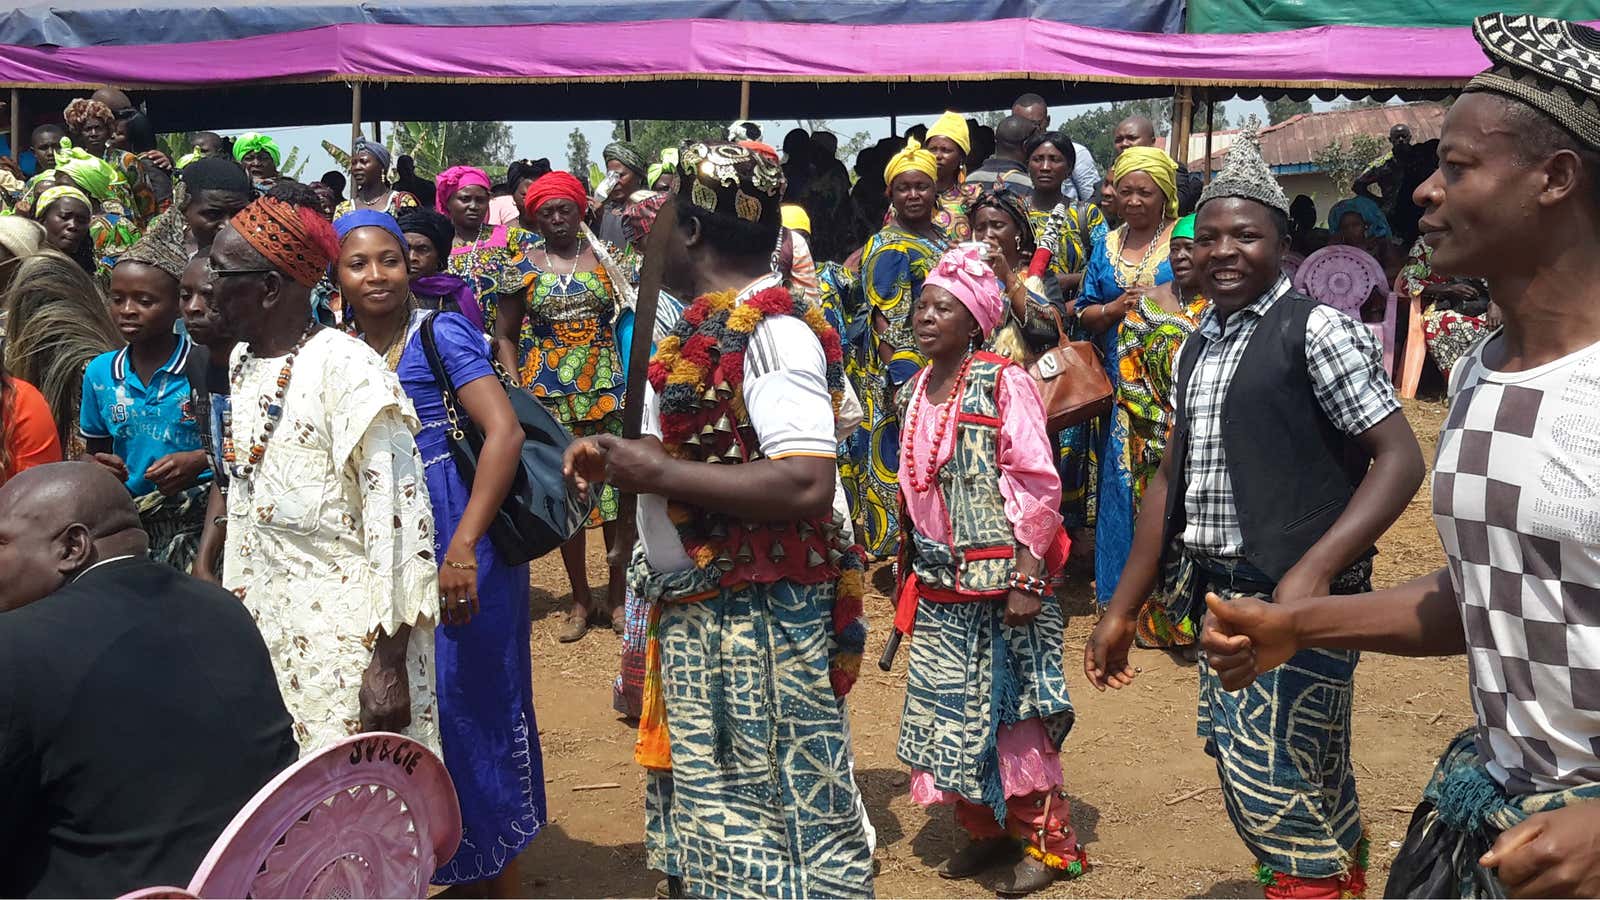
(454,179)
(963,271)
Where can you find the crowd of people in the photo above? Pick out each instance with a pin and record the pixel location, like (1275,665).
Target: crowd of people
(230,404)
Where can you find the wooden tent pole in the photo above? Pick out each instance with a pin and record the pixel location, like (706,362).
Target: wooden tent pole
(627,129)
(355,116)
(1182,122)
(16,125)
(744,100)
(894,126)
(1211,127)
(377,132)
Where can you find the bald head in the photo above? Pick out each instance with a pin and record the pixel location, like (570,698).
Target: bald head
(1134,131)
(113,97)
(1033,108)
(1010,135)
(57,520)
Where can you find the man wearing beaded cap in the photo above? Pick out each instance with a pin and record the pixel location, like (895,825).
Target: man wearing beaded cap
(741,559)
(1288,458)
(1513,805)
(330,533)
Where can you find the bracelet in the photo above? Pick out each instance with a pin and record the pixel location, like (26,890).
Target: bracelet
(461,565)
(219,521)
(1028,584)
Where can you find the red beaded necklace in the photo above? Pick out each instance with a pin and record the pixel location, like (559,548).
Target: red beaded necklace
(940,431)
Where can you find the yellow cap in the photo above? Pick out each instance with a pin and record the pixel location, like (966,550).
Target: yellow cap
(952,126)
(795,218)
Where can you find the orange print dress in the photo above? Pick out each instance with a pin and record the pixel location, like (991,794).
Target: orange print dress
(570,356)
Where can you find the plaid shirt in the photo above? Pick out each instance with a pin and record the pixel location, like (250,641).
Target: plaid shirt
(1345,364)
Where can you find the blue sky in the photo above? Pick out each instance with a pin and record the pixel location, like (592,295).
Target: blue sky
(535,139)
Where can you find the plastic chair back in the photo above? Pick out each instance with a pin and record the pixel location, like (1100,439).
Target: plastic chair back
(371,816)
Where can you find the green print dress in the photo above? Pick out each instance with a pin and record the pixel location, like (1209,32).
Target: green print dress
(570,359)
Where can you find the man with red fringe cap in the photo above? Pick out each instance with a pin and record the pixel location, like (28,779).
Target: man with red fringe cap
(755,597)
(330,533)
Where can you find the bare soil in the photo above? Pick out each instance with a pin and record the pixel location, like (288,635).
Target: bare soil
(1144,794)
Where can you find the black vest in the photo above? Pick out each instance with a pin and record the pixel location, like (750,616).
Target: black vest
(1292,470)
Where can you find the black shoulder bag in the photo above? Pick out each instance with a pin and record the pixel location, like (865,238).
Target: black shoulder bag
(540,512)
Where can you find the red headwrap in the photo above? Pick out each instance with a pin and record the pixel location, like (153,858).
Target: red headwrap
(295,239)
(555,186)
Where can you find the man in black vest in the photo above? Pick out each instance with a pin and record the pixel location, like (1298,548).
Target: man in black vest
(138,709)
(1289,457)
(1514,498)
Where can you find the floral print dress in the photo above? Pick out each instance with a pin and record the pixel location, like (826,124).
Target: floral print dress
(570,358)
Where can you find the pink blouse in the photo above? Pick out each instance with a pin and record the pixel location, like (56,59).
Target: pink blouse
(1028,478)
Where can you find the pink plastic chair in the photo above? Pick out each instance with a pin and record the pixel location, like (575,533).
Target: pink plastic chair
(371,816)
(1343,278)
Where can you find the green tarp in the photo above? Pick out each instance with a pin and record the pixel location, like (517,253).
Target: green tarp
(1250,16)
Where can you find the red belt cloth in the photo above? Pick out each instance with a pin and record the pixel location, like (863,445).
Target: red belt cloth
(912,589)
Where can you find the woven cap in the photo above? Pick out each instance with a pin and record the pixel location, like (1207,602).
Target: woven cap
(1549,64)
(1246,175)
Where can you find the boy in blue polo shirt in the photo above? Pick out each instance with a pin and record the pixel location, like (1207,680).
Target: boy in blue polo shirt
(138,412)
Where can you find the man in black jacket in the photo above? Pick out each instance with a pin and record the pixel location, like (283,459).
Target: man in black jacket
(138,708)
(1289,457)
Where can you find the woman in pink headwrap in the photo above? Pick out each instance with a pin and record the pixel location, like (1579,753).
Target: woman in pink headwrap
(986,699)
(570,359)
(493,259)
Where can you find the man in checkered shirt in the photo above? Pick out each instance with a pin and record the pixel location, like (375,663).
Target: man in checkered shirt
(1511,807)
(1288,458)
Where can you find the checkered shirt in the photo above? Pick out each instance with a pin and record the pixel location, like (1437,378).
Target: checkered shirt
(1516,498)
(1345,364)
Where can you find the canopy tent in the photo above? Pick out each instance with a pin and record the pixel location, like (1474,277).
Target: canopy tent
(87,23)
(555,71)
(1251,16)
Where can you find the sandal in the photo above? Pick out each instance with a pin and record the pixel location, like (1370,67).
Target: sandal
(577,624)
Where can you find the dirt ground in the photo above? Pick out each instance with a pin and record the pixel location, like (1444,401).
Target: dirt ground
(1145,798)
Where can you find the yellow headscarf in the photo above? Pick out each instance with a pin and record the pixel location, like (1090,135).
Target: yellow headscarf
(795,217)
(1154,162)
(912,159)
(952,126)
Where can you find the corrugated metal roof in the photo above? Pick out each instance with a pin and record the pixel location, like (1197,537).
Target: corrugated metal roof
(1296,140)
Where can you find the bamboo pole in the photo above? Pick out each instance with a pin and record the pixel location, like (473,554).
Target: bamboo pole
(16,125)
(744,100)
(355,116)
(1211,127)
(1182,124)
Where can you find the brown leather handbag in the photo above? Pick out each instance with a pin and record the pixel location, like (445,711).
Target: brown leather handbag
(1072,381)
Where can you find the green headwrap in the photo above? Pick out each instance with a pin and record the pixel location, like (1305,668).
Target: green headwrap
(250,142)
(98,178)
(1184,228)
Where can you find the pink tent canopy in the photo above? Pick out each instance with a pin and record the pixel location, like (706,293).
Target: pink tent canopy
(766,51)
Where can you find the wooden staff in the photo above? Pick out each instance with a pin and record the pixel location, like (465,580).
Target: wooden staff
(644,328)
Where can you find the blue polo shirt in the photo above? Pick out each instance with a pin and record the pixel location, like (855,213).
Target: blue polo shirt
(144,422)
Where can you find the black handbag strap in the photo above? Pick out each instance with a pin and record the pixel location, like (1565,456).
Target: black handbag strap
(447,388)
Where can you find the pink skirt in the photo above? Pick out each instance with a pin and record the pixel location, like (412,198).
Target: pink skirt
(1028,764)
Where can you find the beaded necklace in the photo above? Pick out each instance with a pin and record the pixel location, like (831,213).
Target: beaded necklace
(274,410)
(940,430)
(1124,276)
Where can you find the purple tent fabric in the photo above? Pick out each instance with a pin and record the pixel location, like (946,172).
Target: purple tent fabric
(697,48)
(85,23)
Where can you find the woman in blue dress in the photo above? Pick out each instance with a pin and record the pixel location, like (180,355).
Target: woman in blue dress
(1122,268)
(484,673)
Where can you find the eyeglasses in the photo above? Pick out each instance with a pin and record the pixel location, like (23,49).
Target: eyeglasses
(230,273)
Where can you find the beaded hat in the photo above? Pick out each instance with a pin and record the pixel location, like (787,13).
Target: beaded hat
(1246,175)
(741,180)
(1549,64)
(162,244)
